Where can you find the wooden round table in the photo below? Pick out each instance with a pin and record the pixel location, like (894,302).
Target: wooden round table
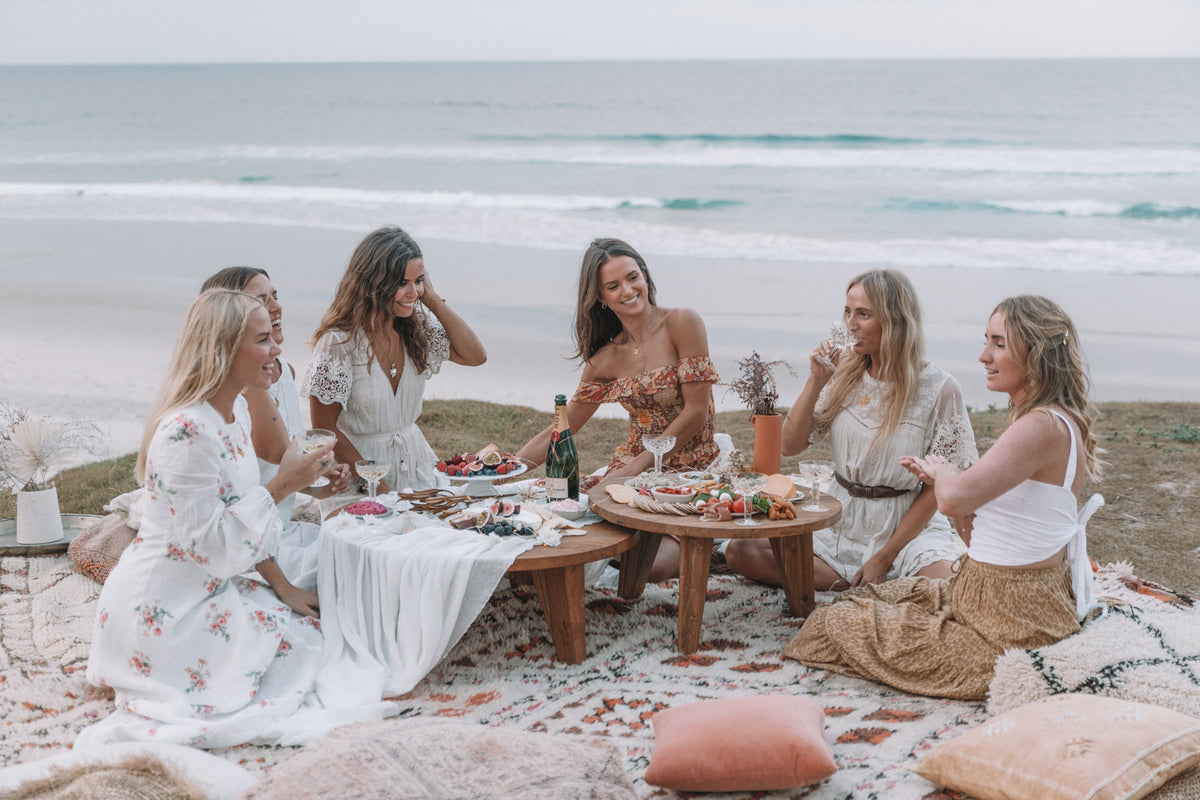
(791,544)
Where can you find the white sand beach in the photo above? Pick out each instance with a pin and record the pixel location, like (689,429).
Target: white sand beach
(90,309)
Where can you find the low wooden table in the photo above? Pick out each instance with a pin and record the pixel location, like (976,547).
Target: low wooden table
(557,574)
(791,544)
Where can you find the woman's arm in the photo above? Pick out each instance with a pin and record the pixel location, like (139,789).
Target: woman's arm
(875,569)
(577,414)
(797,426)
(325,415)
(301,601)
(465,347)
(267,429)
(1032,446)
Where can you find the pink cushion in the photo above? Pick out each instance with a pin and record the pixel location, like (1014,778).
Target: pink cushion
(756,743)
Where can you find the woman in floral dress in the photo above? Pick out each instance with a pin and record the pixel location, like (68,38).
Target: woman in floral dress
(374,350)
(196,653)
(879,402)
(652,360)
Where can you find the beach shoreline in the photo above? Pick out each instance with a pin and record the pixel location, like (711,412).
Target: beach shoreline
(90,312)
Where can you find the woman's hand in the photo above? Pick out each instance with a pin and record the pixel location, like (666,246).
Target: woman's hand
(339,482)
(302,601)
(823,360)
(298,470)
(928,468)
(873,571)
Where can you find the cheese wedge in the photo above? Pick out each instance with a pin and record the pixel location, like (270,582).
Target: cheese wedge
(780,486)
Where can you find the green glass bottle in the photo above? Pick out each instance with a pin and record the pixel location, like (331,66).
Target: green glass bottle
(562,461)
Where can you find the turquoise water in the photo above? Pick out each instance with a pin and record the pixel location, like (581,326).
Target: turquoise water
(1070,166)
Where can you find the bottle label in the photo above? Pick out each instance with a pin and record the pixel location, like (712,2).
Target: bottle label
(556,489)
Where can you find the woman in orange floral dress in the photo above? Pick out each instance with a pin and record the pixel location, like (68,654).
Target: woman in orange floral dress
(652,360)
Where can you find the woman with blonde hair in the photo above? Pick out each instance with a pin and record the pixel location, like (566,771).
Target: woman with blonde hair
(373,352)
(197,653)
(652,360)
(1026,579)
(876,401)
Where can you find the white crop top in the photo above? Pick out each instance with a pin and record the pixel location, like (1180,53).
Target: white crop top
(1033,521)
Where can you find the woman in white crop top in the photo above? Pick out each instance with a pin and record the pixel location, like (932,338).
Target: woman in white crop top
(1026,579)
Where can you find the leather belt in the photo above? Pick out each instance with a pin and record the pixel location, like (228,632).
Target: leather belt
(869,492)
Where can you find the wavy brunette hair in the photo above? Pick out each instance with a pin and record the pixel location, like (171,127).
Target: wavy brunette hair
(368,288)
(901,351)
(203,357)
(596,324)
(1042,340)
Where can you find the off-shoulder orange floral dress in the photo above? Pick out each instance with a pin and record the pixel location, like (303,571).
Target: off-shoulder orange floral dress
(654,399)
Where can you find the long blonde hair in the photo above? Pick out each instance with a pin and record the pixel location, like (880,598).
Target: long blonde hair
(203,357)
(901,352)
(368,287)
(1041,339)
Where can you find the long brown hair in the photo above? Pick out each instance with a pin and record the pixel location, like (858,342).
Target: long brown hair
(595,324)
(203,357)
(234,278)
(1041,339)
(369,287)
(901,351)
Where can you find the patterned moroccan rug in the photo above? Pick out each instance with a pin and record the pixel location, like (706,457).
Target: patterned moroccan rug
(503,673)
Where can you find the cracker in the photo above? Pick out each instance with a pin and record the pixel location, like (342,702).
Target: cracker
(621,493)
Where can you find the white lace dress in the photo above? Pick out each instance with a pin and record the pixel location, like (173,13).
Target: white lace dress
(297,555)
(380,423)
(936,422)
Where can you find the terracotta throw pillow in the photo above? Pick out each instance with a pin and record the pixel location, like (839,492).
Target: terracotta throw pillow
(1074,746)
(757,743)
(98,547)
(433,759)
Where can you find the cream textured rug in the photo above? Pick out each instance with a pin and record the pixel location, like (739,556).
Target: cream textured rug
(503,673)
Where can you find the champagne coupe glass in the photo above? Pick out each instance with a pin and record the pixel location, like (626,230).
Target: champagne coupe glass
(315,439)
(841,338)
(658,445)
(373,472)
(748,484)
(817,473)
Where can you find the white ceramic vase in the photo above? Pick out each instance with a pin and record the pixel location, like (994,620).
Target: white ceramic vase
(38,517)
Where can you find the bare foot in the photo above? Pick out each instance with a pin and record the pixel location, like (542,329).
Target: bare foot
(98,693)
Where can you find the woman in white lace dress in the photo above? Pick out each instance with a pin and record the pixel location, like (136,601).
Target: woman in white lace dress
(881,401)
(373,351)
(276,418)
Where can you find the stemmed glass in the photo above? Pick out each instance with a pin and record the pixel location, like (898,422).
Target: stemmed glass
(817,473)
(315,439)
(372,472)
(841,338)
(658,445)
(748,484)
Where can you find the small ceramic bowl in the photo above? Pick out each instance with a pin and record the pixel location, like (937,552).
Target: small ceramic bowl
(674,494)
(567,512)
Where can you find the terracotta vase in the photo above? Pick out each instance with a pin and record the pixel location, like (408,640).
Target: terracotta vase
(38,518)
(768,428)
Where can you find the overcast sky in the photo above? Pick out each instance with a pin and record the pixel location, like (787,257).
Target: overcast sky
(158,31)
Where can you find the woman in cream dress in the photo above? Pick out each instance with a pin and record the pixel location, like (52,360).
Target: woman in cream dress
(880,401)
(374,350)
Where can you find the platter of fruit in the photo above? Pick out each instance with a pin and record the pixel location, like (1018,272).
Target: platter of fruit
(483,470)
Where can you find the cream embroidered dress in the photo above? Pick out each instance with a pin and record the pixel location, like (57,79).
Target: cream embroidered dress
(381,423)
(935,422)
(198,654)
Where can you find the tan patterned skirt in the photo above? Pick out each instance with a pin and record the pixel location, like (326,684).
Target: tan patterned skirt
(939,637)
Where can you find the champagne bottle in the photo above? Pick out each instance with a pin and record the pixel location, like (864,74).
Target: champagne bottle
(562,461)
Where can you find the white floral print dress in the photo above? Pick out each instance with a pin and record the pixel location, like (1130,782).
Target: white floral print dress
(199,654)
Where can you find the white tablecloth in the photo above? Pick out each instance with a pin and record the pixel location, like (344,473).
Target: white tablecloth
(393,604)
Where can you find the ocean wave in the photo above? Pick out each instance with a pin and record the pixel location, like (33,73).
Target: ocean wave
(253,189)
(1061,208)
(492,220)
(771,139)
(969,160)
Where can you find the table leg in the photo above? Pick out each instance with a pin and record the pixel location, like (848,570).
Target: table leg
(561,593)
(636,563)
(695,560)
(794,557)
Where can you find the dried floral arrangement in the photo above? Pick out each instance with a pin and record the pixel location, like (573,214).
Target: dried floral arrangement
(755,384)
(33,449)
